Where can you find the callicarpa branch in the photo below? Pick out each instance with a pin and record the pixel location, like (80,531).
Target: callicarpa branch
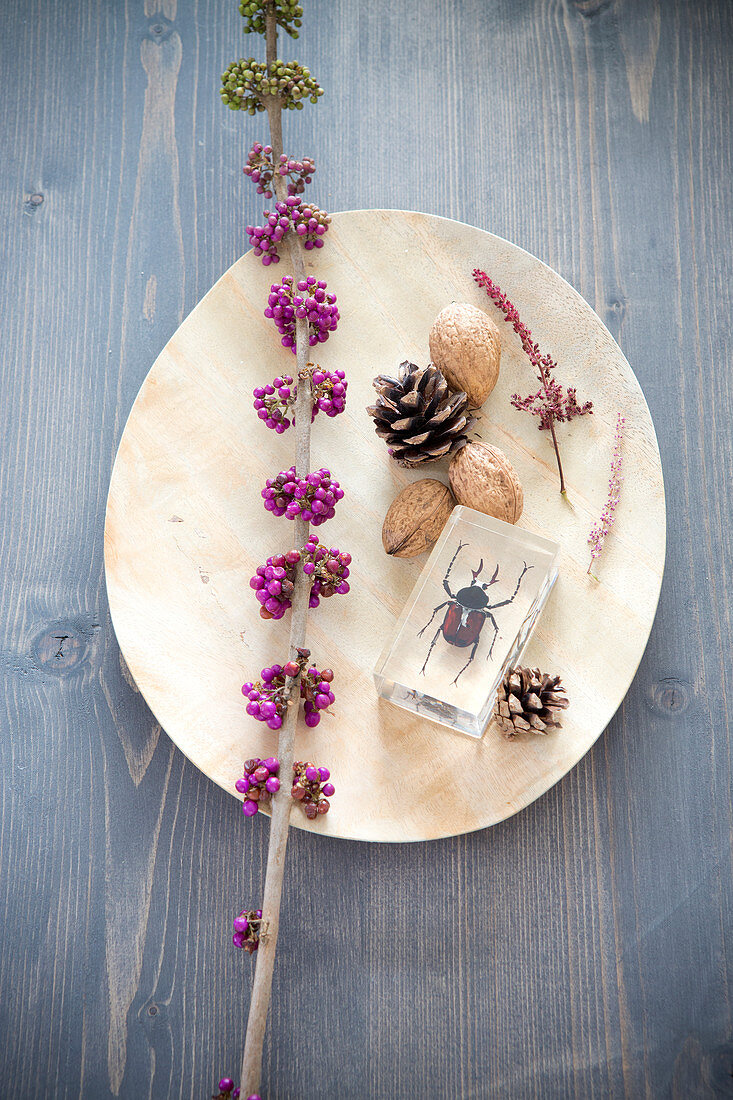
(296,579)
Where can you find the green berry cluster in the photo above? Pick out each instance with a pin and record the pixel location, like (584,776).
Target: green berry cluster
(287,13)
(246,83)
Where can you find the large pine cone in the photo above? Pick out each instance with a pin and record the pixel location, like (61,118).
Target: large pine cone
(418,416)
(529,700)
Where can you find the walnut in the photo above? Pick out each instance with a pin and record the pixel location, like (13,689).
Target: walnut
(416,517)
(482,477)
(466,346)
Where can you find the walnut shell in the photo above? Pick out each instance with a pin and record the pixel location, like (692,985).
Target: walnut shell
(416,517)
(482,477)
(465,344)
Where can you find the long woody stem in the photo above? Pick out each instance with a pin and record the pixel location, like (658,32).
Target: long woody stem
(546,383)
(282,803)
(557,456)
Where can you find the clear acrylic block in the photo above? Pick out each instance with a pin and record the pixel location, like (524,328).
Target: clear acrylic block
(467,620)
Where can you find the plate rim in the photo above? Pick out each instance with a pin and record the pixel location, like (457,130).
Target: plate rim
(306,825)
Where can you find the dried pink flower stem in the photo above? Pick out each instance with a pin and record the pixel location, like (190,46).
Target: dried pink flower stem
(597,537)
(551,403)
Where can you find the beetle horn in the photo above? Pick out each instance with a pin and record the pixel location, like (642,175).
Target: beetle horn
(495,577)
(476,573)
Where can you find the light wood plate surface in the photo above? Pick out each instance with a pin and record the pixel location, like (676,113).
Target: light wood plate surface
(185,527)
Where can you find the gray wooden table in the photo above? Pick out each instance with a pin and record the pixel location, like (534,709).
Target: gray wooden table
(581,949)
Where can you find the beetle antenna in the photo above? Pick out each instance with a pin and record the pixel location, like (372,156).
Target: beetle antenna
(480,567)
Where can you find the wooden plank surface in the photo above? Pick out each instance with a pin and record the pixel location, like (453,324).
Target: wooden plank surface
(580,949)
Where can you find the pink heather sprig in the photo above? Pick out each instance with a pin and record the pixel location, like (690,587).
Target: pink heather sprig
(597,537)
(551,403)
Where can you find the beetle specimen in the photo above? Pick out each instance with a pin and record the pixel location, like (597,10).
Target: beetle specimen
(468,609)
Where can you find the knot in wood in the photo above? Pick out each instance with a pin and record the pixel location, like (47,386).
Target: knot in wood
(63,648)
(670,697)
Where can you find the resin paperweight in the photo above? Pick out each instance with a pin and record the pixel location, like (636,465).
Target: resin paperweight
(467,620)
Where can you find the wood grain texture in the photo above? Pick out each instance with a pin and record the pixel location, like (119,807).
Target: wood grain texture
(185,528)
(581,949)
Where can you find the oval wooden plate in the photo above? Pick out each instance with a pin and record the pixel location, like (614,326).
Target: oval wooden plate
(185,527)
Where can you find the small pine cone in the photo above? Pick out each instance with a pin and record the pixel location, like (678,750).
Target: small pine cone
(528,699)
(418,416)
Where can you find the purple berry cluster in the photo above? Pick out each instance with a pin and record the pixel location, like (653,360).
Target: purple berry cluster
(268,701)
(308,300)
(329,391)
(315,688)
(267,697)
(260,169)
(310,223)
(312,498)
(247,931)
(259,782)
(307,221)
(273,582)
(265,239)
(329,569)
(311,788)
(274,402)
(227,1091)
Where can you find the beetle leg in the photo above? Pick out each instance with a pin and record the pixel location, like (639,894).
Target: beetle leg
(447,572)
(437,635)
(474,647)
(496,634)
(427,624)
(503,603)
